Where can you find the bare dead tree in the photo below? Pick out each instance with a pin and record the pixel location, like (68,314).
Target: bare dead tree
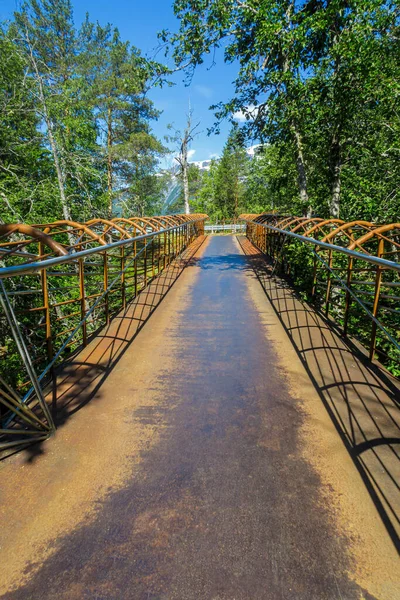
(182,159)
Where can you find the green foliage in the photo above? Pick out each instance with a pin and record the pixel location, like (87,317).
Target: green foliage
(118,76)
(236,184)
(319,82)
(271,181)
(230,176)
(75,128)
(204,199)
(222,190)
(24,166)
(308,273)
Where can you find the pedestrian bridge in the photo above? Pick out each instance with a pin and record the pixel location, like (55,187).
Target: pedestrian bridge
(189,416)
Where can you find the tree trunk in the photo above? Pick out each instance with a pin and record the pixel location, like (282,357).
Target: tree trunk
(185,176)
(60,175)
(336,149)
(54,151)
(109,164)
(300,162)
(336,169)
(186,190)
(236,199)
(182,159)
(52,142)
(301,171)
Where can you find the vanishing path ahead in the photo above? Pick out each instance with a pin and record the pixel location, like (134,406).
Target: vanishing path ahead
(190,473)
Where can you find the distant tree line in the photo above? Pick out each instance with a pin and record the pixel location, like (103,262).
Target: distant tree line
(318,85)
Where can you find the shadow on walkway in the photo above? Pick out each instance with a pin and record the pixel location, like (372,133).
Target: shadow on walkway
(361,398)
(79,379)
(221,263)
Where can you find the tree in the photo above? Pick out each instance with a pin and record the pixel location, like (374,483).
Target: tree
(266,40)
(24,164)
(271,182)
(220,192)
(349,90)
(205,199)
(316,80)
(46,39)
(140,186)
(230,176)
(83,115)
(182,159)
(119,78)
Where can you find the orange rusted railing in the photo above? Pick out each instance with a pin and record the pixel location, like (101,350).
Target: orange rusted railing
(349,269)
(62,282)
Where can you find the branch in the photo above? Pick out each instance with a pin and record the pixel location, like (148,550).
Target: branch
(246,6)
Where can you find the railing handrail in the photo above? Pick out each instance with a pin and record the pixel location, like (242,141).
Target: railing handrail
(57,260)
(84,320)
(383,262)
(229,225)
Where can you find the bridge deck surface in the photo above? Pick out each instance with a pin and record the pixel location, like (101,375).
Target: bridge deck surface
(203,466)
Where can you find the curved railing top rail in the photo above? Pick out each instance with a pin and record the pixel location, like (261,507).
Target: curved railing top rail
(70,240)
(374,242)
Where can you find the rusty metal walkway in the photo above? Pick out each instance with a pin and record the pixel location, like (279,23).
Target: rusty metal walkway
(205,464)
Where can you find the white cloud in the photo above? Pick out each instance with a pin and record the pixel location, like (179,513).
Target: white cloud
(191,153)
(213,155)
(250,110)
(204,91)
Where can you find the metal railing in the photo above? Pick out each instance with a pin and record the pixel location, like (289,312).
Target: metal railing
(225,228)
(59,285)
(346,269)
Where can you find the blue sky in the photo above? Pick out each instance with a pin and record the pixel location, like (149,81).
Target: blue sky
(139,23)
